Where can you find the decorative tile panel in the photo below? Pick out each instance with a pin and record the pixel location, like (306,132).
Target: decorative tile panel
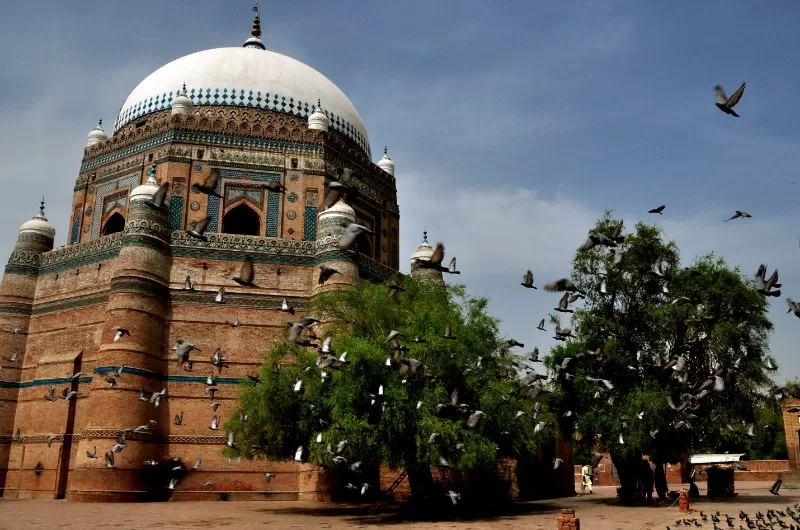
(107,189)
(273,199)
(310,216)
(76,226)
(239,98)
(175,213)
(252,193)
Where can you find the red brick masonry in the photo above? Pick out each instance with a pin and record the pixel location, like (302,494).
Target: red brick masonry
(567,520)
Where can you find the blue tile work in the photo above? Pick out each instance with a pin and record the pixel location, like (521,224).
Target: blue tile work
(221,140)
(310,224)
(43,382)
(76,230)
(273,199)
(273,213)
(240,98)
(107,189)
(175,213)
(177,378)
(107,369)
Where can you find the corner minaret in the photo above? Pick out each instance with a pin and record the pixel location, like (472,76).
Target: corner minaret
(255,40)
(424,252)
(17,291)
(139,302)
(330,225)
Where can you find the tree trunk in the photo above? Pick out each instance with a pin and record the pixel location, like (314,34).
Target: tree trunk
(420,481)
(628,468)
(661,481)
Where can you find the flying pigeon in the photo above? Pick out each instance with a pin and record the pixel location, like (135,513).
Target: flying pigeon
(738,215)
(209,185)
(725,103)
(159,199)
(527,280)
(595,240)
(246,273)
(325,273)
(199,230)
(120,333)
(657,210)
(351,234)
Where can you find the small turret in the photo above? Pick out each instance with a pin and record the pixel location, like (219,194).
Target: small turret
(386,163)
(330,225)
(96,135)
(318,120)
(182,104)
(148,189)
(424,252)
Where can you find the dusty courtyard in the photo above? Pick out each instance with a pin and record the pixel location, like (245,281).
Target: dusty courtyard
(596,512)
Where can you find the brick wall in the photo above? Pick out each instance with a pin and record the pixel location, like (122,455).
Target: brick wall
(791,425)
(604,475)
(765,470)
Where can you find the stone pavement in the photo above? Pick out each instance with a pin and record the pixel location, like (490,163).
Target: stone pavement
(596,512)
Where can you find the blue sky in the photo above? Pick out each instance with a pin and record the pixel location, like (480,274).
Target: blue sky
(513,124)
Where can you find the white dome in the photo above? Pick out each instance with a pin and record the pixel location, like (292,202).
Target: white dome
(318,121)
(148,189)
(245,77)
(182,104)
(96,135)
(424,251)
(386,163)
(39,225)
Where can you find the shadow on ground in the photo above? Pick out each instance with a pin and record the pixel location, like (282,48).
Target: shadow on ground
(402,514)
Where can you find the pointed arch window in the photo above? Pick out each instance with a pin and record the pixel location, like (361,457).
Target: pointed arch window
(242,220)
(114,224)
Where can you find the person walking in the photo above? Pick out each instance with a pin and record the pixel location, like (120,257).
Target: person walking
(586,478)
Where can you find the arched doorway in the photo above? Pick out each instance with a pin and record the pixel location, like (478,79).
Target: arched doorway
(114,224)
(241,220)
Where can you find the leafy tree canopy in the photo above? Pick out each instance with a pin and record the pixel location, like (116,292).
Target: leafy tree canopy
(707,319)
(393,428)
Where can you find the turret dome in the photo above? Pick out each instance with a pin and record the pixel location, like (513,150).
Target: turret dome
(182,104)
(318,120)
(386,163)
(148,189)
(96,135)
(39,225)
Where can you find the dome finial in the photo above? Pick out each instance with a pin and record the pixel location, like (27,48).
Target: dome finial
(41,206)
(385,149)
(425,237)
(100,122)
(255,40)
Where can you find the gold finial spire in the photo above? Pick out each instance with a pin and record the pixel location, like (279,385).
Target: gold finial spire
(256,23)
(255,40)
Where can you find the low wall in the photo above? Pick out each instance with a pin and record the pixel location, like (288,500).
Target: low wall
(758,470)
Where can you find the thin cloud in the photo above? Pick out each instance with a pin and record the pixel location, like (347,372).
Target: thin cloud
(498,232)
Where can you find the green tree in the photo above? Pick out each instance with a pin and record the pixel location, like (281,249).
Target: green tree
(708,317)
(392,429)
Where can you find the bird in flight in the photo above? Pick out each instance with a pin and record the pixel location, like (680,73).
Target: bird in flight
(738,215)
(725,103)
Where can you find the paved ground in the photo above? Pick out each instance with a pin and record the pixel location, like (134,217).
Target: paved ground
(596,512)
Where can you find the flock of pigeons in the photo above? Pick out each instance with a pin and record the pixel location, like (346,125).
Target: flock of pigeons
(772,519)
